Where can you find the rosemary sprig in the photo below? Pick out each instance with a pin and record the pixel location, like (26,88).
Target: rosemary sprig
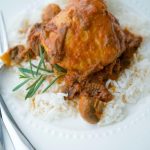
(33,84)
(36,75)
(39,65)
(41,60)
(53,81)
(21,84)
(42,69)
(34,88)
(31,68)
(60,69)
(26,71)
(22,76)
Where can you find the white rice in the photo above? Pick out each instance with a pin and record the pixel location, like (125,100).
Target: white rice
(50,105)
(132,85)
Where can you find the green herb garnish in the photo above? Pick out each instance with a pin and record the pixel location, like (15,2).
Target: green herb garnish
(21,84)
(34,88)
(51,83)
(36,75)
(60,69)
(26,71)
(31,68)
(42,69)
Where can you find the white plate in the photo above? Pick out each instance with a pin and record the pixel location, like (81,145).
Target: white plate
(131,133)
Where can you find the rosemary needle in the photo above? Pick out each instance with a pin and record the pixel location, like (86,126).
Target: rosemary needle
(26,71)
(33,90)
(21,84)
(60,69)
(22,76)
(31,68)
(32,85)
(51,83)
(39,65)
(42,69)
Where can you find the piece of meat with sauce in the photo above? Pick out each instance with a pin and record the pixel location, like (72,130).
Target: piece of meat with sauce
(50,11)
(33,40)
(82,36)
(19,53)
(91,109)
(16,55)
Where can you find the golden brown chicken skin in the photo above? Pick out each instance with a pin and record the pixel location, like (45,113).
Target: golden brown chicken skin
(82,36)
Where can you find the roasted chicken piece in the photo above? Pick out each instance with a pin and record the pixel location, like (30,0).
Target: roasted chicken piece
(83,37)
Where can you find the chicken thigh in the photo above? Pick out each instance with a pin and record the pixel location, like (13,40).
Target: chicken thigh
(84,36)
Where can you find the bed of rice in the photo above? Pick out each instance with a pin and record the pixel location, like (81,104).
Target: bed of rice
(132,85)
